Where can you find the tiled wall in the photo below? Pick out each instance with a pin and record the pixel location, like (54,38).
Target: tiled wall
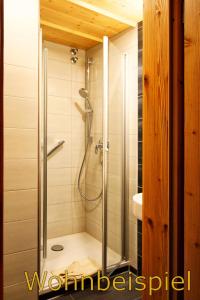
(66,213)
(93,173)
(124,43)
(21,26)
(140,47)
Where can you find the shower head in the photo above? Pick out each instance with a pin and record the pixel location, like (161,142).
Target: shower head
(83,93)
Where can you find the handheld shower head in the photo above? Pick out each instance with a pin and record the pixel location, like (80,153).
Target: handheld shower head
(84,94)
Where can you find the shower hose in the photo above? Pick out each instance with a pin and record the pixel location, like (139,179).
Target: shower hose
(83,195)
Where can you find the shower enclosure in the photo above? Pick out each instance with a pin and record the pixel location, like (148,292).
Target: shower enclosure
(101,180)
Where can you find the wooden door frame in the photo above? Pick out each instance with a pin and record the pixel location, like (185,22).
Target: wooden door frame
(192,147)
(163,143)
(1,147)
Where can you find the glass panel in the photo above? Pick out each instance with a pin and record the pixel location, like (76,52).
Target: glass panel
(41,154)
(122,157)
(74,189)
(115,156)
(94,160)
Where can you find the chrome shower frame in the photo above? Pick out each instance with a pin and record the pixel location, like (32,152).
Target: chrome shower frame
(106,269)
(105,153)
(45,154)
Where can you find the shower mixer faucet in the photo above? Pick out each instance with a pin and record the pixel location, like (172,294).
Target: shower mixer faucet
(99,146)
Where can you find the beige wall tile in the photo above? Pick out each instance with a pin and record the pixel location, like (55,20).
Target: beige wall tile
(78,73)
(78,224)
(59,194)
(58,52)
(94,229)
(20,143)
(76,86)
(115,184)
(78,209)
(65,115)
(56,69)
(61,158)
(19,291)
(59,176)
(20,236)
(95,215)
(114,241)
(76,197)
(21,32)
(114,203)
(125,40)
(59,88)
(20,205)
(20,82)
(115,164)
(94,177)
(20,113)
(60,228)
(78,125)
(78,108)
(58,105)
(20,174)
(114,223)
(98,125)
(59,123)
(77,158)
(78,142)
(75,174)
(18,263)
(21,28)
(60,135)
(60,211)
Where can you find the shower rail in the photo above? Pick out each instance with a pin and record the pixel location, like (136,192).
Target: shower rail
(54,148)
(45,154)
(105,152)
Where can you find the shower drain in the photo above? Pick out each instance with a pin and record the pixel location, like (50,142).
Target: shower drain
(57,248)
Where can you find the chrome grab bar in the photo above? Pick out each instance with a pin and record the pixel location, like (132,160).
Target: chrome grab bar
(59,143)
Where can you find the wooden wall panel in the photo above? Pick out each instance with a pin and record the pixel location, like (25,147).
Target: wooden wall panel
(156,142)
(1,149)
(192,146)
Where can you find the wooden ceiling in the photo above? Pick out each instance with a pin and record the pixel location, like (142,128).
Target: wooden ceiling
(82,24)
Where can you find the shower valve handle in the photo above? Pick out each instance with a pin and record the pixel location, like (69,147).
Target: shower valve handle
(99,147)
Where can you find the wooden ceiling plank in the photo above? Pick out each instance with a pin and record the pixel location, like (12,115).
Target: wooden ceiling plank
(129,9)
(65,38)
(103,12)
(63,19)
(69,30)
(84,15)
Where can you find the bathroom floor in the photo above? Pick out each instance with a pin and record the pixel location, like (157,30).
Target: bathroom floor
(111,294)
(78,247)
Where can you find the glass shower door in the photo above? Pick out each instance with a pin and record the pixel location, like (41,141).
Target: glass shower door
(115,162)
